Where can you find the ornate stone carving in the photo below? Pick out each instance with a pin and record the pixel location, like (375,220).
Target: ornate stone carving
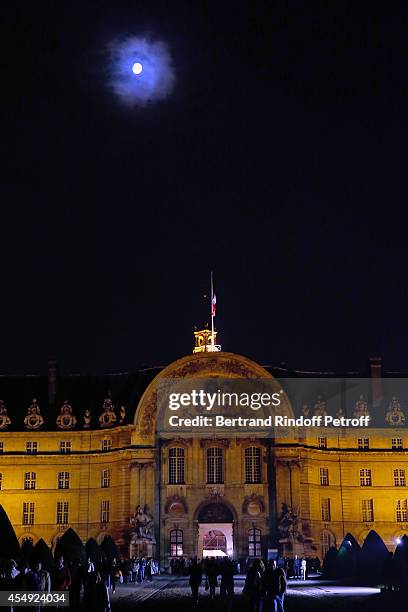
(33,418)
(176,505)
(226,365)
(5,420)
(361,408)
(253,505)
(305,410)
(66,420)
(395,417)
(108,416)
(207,442)
(142,523)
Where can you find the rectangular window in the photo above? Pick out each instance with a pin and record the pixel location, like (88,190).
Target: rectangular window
(363,443)
(1,481)
(396,444)
(106,444)
(324,477)
(326,515)
(65,447)
(30,480)
(105,479)
(214,466)
(322,442)
(1,447)
(365,478)
(401,507)
(105,511)
(31,448)
(399,478)
(254,543)
(367,510)
(176,543)
(252,464)
(62,513)
(176,465)
(28,513)
(63,480)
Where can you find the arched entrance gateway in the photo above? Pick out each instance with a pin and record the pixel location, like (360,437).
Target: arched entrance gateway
(208,493)
(215,528)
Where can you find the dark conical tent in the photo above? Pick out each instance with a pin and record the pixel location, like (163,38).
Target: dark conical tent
(373,558)
(401,561)
(329,563)
(109,548)
(43,553)
(27,550)
(94,552)
(347,558)
(9,546)
(70,547)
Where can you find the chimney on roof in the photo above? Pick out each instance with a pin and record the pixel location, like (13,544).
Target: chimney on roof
(52,381)
(376,376)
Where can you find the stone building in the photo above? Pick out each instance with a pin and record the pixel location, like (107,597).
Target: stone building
(86,454)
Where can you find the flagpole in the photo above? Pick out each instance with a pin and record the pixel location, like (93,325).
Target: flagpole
(212,314)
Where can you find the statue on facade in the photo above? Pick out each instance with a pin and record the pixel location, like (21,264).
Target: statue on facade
(122,415)
(108,416)
(5,420)
(361,408)
(340,413)
(305,411)
(288,523)
(142,523)
(320,407)
(395,417)
(66,420)
(87,419)
(33,418)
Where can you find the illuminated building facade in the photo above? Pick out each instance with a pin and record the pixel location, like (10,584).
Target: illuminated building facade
(85,454)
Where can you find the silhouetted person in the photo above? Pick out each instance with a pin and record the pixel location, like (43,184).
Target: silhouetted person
(196,576)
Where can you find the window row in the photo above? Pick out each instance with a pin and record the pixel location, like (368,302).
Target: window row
(65,446)
(365,476)
(215,465)
(63,480)
(364,443)
(254,543)
(62,512)
(367,510)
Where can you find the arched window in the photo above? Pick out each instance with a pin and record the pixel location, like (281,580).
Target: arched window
(214,465)
(176,543)
(254,543)
(252,464)
(176,465)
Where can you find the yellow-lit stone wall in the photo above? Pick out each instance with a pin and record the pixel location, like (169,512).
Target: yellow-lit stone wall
(138,464)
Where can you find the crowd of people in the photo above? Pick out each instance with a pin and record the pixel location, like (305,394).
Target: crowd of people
(89,584)
(265,583)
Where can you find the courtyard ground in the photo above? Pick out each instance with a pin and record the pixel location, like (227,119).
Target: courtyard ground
(172,594)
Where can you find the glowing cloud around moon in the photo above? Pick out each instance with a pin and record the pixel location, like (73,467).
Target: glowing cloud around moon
(141,70)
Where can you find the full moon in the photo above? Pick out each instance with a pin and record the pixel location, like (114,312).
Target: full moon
(137,68)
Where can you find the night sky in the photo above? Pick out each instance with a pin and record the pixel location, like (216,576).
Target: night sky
(279,161)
